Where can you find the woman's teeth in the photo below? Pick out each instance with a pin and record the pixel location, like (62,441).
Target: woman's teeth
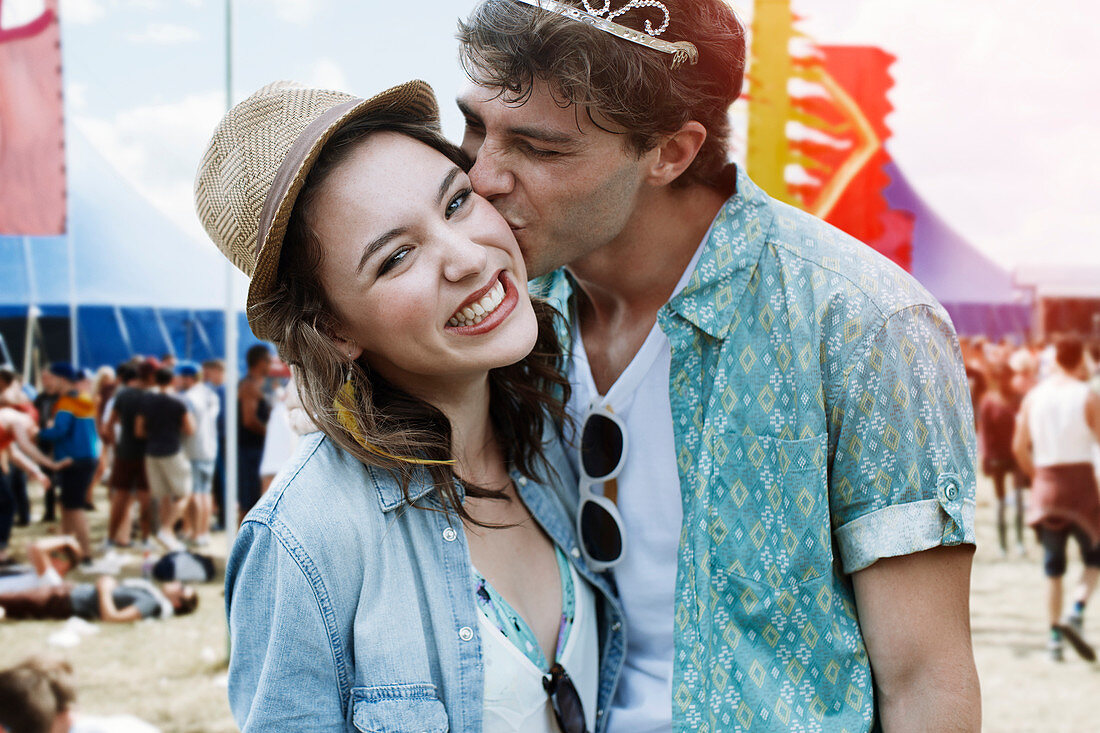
(476,312)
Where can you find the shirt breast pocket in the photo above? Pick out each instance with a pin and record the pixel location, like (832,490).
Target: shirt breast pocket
(412,708)
(769,520)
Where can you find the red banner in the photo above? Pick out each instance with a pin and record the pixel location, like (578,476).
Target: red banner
(32,138)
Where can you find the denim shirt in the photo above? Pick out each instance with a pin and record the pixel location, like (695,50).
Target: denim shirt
(351,610)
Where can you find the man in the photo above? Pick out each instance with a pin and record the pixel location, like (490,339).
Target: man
(74,437)
(37,695)
(201,447)
(163,421)
(1057,429)
(13,395)
(213,376)
(252,415)
(44,403)
(17,446)
(128,480)
(797,484)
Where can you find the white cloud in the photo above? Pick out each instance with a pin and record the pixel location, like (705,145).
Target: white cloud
(327,74)
(157,148)
(82,12)
(165,34)
(76,97)
(296,12)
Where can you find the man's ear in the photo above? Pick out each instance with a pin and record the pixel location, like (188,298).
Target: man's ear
(675,153)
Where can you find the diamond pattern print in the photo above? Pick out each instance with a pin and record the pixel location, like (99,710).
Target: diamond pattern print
(815,387)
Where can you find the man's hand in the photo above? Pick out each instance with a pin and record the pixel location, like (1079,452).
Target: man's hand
(915,615)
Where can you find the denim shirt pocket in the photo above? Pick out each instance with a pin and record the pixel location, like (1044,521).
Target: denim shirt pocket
(769,521)
(408,708)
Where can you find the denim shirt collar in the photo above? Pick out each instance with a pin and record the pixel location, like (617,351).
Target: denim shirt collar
(390,495)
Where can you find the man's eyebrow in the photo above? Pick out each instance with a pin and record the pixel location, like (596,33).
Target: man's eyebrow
(445,185)
(552,137)
(377,244)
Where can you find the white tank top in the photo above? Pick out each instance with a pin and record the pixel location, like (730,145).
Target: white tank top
(515,700)
(1056,421)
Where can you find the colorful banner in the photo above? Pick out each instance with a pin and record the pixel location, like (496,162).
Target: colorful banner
(32,140)
(817,130)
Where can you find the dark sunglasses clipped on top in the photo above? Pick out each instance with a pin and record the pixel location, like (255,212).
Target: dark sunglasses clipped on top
(602,456)
(565,700)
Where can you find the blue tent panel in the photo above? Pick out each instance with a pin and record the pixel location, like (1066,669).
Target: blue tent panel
(100,338)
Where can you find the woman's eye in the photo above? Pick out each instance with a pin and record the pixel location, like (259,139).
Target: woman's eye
(393,260)
(457,202)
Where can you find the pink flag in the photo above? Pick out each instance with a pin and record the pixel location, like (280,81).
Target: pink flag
(32,140)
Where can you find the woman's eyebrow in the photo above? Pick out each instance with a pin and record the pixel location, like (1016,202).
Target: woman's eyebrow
(445,185)
(378,243)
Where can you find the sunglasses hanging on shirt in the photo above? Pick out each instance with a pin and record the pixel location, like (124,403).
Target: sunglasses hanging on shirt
(565,700)
(602,456)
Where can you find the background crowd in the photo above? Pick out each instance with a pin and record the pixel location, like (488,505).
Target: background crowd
(148,436)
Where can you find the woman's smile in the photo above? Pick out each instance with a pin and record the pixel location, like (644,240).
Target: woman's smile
(485,309)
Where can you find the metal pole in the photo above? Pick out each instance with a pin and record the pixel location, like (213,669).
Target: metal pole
(74,338)
(232,371)
(32,310)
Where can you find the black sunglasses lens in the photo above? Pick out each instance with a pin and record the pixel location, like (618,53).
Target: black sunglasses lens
(601,445)
(565,700)
(600,533)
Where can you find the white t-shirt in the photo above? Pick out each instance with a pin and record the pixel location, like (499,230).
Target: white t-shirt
(202,445)
(650,504)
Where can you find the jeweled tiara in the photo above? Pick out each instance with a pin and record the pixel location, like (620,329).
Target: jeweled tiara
(603,17)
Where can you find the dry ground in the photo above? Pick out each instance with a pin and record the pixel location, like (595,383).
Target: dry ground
(172,673)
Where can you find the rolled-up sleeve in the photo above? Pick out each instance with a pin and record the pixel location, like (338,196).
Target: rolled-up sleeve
(902,477)
(283,670)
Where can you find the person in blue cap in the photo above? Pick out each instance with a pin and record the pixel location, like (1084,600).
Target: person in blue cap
(201,448)
(74,436)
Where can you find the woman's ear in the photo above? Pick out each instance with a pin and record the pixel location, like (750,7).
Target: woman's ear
(347,347)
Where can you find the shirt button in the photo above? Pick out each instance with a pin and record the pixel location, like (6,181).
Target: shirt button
(465,633)
(575,553)
(522,480)
(952,492)
(599,713)
(616,626)
(450,535)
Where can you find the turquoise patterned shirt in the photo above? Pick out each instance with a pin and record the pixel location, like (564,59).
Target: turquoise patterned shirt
(822,422)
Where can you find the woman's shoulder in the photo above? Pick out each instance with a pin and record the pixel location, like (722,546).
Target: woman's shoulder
(321,491)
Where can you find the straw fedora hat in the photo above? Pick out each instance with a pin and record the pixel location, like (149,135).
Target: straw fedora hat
(258,160)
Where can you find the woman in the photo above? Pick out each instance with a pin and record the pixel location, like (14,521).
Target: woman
(413,567)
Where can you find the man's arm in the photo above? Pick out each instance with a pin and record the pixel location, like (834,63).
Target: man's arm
(62,423)
(107,429)
(188,423)
(24,438)
(1092,414)
(1021,441)
(250,405)
(914,612)
(139,426)
(29,466)
(39,551)
(108,611)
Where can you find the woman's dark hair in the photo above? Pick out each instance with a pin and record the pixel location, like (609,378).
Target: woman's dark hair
(508,46)
(399,432)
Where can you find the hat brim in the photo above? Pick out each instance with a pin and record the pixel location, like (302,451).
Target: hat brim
(414,100)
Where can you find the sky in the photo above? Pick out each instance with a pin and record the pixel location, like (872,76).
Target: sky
(996,101)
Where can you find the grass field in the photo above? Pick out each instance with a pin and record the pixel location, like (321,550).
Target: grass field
(172,673)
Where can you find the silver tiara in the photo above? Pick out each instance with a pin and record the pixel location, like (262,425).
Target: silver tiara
(602,17)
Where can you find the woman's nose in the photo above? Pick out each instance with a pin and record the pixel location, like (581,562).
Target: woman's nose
(464,258)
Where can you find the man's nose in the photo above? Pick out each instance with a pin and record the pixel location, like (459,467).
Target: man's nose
(489,177)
